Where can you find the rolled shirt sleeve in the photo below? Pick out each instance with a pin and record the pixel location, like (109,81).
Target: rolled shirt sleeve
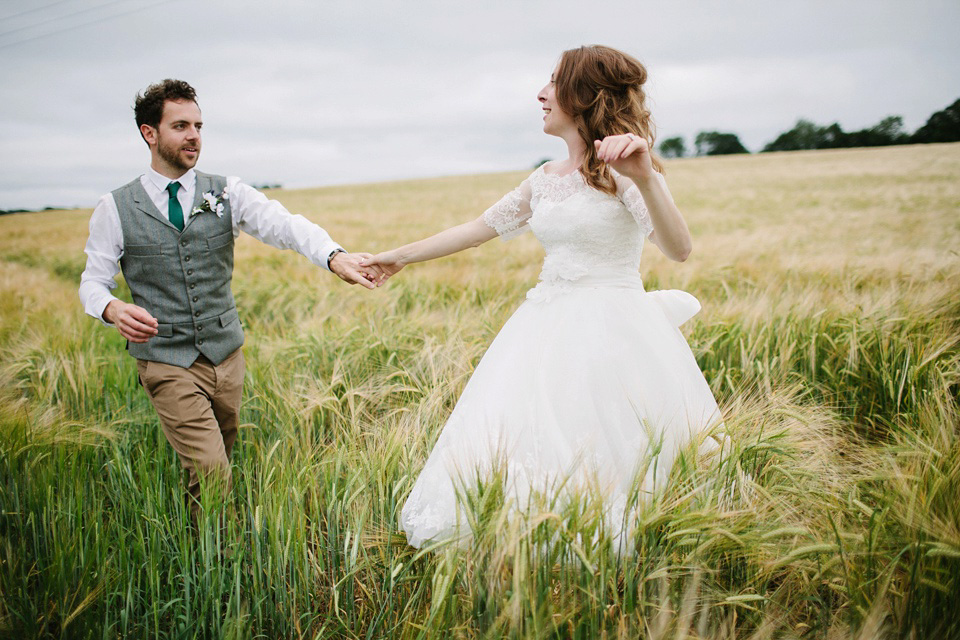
(270,222)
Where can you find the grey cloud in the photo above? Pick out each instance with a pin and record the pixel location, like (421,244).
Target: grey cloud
(296,91)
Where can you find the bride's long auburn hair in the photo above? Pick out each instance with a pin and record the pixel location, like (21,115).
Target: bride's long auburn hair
(602,89)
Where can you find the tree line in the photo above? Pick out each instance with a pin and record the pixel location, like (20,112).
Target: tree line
(942,126)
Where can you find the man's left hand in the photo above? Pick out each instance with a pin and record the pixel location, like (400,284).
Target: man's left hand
(347,267)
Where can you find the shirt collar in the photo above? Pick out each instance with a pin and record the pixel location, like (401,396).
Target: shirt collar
(186,181)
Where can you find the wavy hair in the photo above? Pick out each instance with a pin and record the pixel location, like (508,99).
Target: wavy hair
(602,89)
(148,107)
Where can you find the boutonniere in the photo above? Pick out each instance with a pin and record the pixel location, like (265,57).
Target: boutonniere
(211,202)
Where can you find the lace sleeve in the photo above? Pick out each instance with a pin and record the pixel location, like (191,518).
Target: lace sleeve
(508,217)
(630,196)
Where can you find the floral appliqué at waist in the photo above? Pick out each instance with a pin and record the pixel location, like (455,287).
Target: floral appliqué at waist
(677,306)
(559,276)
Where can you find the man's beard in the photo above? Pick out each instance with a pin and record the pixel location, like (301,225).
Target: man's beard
(171,155)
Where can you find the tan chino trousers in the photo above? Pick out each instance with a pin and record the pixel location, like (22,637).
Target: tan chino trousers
(199,409)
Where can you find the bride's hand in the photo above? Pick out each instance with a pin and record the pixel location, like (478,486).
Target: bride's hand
(628,154)
(388,262)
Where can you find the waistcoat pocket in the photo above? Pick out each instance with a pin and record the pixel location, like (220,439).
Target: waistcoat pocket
(220,240)
(144,250)
(229,317)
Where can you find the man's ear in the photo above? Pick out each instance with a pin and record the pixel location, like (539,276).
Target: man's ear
(149,134)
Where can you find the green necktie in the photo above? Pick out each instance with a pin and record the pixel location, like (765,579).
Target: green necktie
(174,210)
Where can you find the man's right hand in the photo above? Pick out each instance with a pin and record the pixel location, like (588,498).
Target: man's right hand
(134,323)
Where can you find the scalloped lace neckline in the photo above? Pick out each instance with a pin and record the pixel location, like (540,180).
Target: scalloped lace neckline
(559,176)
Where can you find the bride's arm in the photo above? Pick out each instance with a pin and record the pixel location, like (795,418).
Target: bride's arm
(670,231)
(463,236)
(506,218)
(630,156)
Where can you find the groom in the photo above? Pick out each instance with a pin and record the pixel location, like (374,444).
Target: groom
(171,231)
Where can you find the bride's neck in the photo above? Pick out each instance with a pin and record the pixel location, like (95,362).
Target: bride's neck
(576,149)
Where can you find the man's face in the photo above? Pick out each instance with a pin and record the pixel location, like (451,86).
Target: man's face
(175,143)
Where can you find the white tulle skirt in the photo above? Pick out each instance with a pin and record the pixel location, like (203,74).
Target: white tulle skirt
(586,382)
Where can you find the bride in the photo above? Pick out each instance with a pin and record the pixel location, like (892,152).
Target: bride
(590,379)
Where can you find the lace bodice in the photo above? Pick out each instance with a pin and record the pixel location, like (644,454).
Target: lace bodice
(581,228)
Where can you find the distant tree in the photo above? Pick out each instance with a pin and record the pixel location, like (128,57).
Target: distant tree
(807,135)
(886,132)
(673,148)
(943,126)
(804,135)
(541,162)
(833,137)
(891,128)
(715,143)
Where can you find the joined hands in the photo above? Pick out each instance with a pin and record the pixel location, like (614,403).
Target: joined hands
(352,269)
(386,263)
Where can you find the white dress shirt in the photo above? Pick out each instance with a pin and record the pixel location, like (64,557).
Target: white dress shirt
(264,219)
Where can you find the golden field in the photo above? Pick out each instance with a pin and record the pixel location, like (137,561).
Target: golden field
(830,333)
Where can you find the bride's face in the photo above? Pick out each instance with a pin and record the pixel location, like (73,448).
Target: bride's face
(556,121)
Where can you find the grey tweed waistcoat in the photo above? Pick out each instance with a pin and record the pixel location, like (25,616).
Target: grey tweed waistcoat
(181,277)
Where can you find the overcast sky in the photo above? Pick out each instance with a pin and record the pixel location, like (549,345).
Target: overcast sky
(309,92)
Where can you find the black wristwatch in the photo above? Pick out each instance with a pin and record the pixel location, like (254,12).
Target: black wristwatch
(333,253)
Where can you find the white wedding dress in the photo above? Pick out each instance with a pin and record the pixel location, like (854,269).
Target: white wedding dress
(586,381)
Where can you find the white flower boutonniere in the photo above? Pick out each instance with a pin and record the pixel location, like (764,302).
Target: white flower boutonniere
(211,202)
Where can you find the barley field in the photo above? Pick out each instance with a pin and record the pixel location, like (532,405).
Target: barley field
(830,333)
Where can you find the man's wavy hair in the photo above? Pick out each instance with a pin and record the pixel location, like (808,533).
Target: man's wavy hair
(148,106)
(602,89)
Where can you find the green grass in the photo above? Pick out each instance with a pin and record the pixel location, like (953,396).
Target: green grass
(830,334)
